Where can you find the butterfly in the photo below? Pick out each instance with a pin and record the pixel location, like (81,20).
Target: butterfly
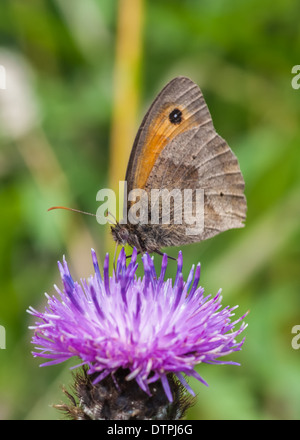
(178,148)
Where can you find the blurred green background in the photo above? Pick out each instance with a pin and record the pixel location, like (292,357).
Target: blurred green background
(79,78)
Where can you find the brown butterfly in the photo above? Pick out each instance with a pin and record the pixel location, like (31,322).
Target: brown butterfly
(177,147)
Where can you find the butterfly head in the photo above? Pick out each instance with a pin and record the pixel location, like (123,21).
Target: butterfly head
(120,233)
(134,235)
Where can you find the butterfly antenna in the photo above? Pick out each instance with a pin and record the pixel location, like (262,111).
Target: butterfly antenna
(71,209)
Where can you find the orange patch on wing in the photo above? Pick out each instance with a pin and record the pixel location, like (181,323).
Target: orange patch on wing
(160,133)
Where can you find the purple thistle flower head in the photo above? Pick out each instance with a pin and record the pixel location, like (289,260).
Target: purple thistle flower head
(148,326)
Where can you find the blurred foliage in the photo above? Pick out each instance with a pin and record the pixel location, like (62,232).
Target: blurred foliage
(56,132)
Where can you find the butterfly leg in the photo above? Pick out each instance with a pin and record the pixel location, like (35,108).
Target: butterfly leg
(114,265)
(128,256)
(157,252)
(160,253)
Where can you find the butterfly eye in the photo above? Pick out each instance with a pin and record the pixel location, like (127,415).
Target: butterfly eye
(175,116)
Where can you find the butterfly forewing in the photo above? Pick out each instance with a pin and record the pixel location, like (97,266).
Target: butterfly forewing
(177,147)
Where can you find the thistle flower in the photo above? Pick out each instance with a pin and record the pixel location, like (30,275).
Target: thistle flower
(125,328)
